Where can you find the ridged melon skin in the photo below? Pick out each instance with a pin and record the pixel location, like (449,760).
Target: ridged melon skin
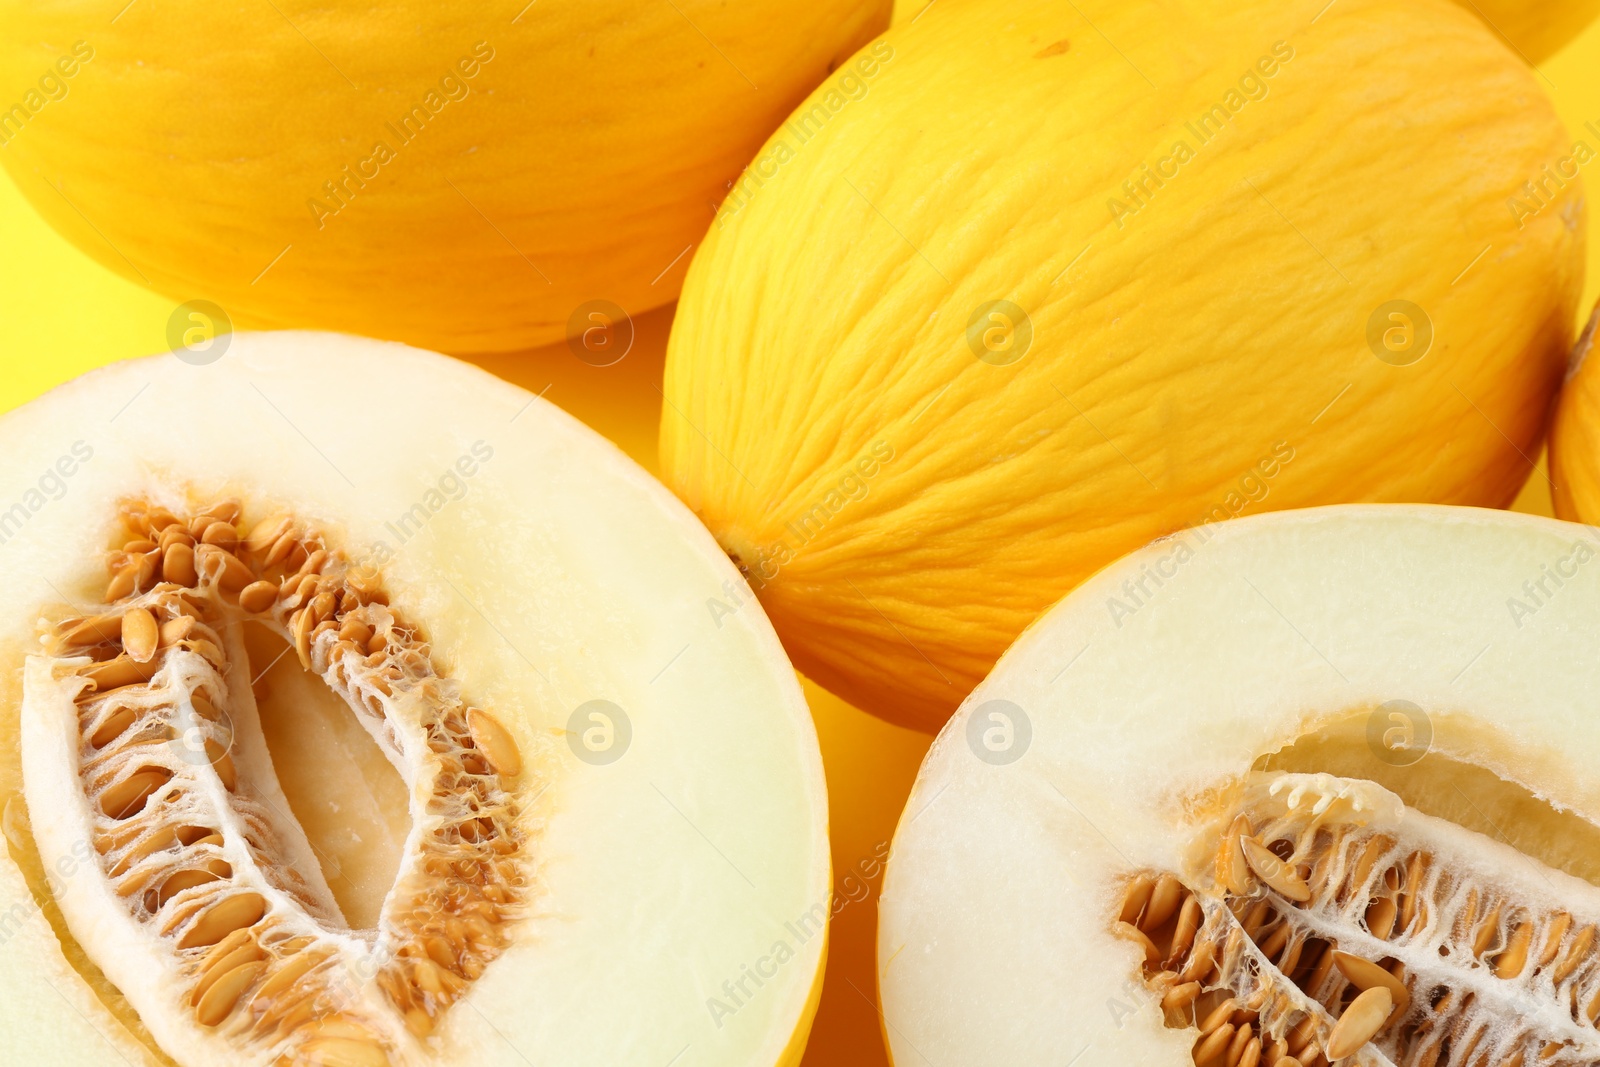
(1536,30)
(1205,355)
(566,154)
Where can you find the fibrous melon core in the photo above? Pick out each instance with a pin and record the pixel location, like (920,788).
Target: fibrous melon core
(1328,922)
(143,754)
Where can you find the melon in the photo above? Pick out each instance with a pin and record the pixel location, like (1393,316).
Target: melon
(1575,436)
(469,177)
(362,710)
(1535,30)
(1131,267)
(1305,788)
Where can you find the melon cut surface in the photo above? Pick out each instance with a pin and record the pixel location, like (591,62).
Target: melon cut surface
(1318,786)
(362,710)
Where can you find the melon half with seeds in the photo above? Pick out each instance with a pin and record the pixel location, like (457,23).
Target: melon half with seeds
(1318,787)
(361,710)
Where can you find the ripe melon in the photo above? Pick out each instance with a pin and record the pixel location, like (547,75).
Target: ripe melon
(363,710)
(1575,436)
(1535,30)
(1130,267)
(1328,793)
(465,177)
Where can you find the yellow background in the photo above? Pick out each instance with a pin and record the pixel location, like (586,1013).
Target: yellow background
(61,314)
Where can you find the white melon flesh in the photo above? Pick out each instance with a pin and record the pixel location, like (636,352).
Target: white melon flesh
(1401,702)
(662,878)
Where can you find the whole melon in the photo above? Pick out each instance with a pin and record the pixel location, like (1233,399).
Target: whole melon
(1535,29)
(465,177)
(958,341)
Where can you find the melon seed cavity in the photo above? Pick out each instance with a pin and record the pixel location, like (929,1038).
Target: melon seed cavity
(195,855)
(1332,925)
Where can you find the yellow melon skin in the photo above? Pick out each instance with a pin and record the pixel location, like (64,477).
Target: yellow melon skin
(561,155)
(1536,30)
(905,508)
(1575,436)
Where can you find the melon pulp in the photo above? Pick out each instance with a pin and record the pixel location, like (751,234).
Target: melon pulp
(370,713)
(477,177)
(1010,349)
(1304,787)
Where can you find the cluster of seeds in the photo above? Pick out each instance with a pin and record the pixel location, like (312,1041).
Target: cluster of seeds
(1318,937)
(198,854)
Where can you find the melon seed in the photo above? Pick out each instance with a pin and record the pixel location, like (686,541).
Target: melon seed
(178,565)
(223,995)
(189,879)
(116,673)
(129,795)
(140,635)
(494,742)
(344,1052)
(175,587)
(257,597)
(287,975)
(224,917)
(1165,898)
(1273,871)
(1250,961)
(112,726)
(1361,1020)
(1364,975)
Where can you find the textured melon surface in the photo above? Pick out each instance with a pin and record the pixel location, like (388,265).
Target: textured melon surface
(547,572)
(1406,696)
(468,177)
(1116,273)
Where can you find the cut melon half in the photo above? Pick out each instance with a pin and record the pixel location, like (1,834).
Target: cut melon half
(362,710)
(1317,787)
